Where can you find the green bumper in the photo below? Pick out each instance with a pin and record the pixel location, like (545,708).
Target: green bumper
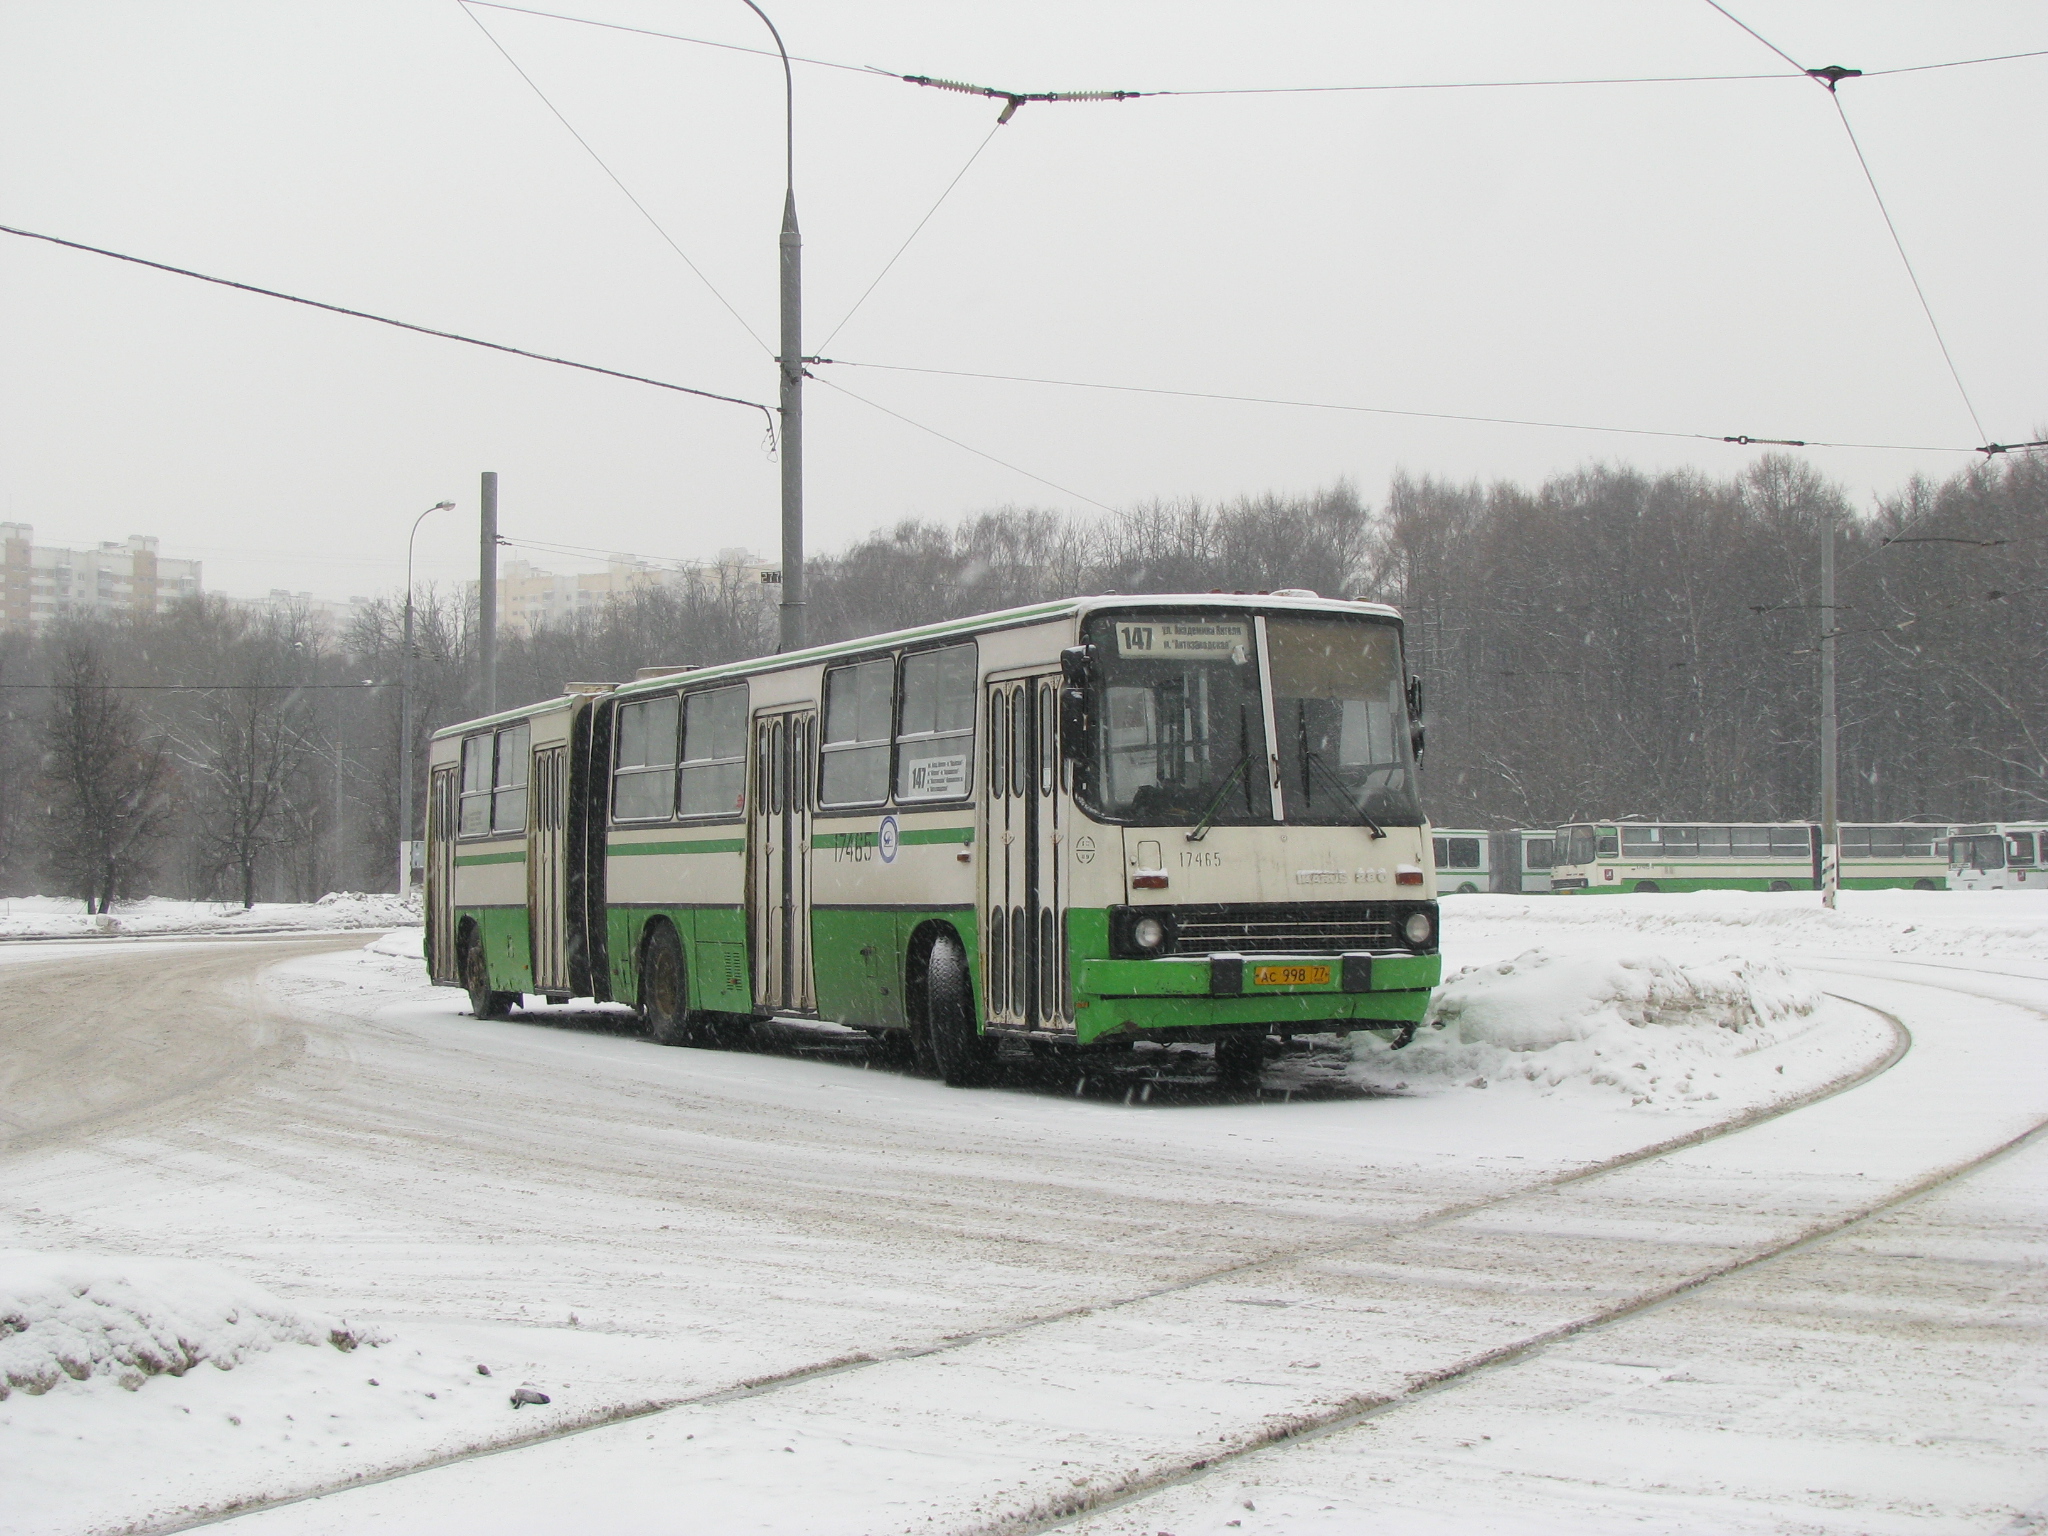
(1113,997)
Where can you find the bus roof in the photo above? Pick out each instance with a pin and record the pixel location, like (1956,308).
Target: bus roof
(1006,618)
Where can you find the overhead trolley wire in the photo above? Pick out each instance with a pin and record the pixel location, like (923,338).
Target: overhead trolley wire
(403,325)
(1740,439)
(590,150)
(966,447)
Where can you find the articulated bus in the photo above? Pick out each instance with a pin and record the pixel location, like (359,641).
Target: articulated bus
(1744,856)
(1081,824)
(1999,856)
(1515,862)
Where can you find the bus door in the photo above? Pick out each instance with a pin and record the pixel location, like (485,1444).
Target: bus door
(547,867)
(779,860)
(1024,823)
(441,794)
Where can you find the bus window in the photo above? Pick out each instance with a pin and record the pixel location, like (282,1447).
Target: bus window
(1020,742)
(1716,842)
(714,768)
(1536,852)
(1681,842)
(1749,842)
(1608,844)
(476,786)
(508,786)
(2019,848)
(935,737)
(1641,842)
(644,787)
(1340,711)
(1458,853)
(1791,843)
(855,770)
(1978,852)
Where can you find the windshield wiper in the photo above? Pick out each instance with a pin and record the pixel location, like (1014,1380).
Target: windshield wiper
(1315,760)
(1201,827)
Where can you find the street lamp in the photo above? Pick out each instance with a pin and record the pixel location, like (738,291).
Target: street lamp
(791,633)
(405,716)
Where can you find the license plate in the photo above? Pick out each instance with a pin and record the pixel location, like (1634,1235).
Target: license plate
(1290,975)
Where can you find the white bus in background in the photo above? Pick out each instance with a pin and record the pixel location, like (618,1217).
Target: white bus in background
(1463,860)
(1999,856)
(1516,862)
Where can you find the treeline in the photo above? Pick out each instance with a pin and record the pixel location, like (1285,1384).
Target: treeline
(1609,643)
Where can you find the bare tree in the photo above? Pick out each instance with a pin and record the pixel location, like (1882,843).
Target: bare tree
(108,785)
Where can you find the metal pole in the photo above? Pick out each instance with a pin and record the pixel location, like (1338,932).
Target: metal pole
(405,717)
(792,632)
(487,594)
(1830,831)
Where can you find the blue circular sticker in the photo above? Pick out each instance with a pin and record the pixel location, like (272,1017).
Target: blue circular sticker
(887,838)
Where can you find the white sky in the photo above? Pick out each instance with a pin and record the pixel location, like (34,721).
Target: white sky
(1693,257)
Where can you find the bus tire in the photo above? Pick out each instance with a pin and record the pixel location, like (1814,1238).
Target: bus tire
(1781,885)
(664,993)
(476,979)
(1924,884)
(1240,1058)
(963,1055)
(1650,887)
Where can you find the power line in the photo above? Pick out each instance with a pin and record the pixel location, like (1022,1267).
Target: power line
(1996,58)
(403,325)
(1752,31)
(967,447)
(674,37)
(192,687)
(655,223)
(1740,439)
(891,262)
(1900,246)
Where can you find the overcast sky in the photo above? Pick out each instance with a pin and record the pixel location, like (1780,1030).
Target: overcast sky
(1694,258)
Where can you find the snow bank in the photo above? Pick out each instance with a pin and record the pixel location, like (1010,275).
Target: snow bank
(1660,1030)
(53,917)
(74,1316)
(404,943)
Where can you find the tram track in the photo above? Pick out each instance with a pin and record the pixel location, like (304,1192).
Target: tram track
(1351,1245)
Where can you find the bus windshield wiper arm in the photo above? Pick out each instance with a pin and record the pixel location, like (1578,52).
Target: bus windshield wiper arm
(1201,827)
(1315,760)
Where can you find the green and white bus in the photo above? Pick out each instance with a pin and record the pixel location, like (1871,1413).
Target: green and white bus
(1083,823)
(1999,856)
(1620,856)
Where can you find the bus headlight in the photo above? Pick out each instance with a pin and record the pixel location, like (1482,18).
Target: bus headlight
(1418,929)
(1148,933)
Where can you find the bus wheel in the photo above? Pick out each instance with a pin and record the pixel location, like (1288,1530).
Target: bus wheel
(1650,886)
(1923,884)
(964,1056)
(1781,885)
(1240,1059)
(663,989)
(476,979)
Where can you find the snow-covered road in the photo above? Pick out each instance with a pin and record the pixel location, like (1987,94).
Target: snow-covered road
(1029,1301)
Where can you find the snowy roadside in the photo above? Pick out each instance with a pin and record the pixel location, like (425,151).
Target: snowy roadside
(49,917)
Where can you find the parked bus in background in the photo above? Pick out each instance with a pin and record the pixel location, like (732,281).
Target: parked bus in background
(1521,860)
(1463,864)
(1999,856)
(1752,856)
(1080,825)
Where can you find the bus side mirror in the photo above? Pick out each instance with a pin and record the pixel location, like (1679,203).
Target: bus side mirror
(1416,734)
(1074,724)
(1077,665)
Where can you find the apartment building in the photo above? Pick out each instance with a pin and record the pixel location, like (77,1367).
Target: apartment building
(43,583)
(532,599)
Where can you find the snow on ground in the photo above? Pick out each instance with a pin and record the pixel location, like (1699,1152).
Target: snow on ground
(42,917)
(461,1191)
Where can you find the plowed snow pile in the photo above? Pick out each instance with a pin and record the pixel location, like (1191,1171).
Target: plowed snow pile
(72,1317)
(1658,1030)
(40,917)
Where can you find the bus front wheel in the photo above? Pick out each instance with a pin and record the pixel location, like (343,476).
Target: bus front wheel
(1240,1059)
(476,980)
(1650,886)
(965,1057)
(664,994)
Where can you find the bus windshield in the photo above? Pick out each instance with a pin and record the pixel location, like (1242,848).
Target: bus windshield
(1573,845)
(1181,723)
(1977,852)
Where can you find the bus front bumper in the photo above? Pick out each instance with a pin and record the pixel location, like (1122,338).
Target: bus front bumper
(1176,997)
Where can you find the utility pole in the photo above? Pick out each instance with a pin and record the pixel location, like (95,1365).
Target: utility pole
(405,821)
(1830,831)
(792,628)
(487,595)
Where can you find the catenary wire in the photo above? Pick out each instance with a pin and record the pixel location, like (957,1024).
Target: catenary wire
(1752,31)
(190,687)
(967,447)
(891,262)
(591,151)
(1907,261)
(403,325)
(1740,439)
